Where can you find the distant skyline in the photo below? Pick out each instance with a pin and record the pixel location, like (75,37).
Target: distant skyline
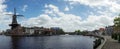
(70,15)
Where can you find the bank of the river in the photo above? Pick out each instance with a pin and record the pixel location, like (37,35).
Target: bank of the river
(102,43)
(111,43)
(99,41)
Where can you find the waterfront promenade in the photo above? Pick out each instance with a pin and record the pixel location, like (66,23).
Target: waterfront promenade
(111,43)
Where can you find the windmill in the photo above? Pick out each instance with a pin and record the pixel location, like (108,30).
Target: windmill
(14,23)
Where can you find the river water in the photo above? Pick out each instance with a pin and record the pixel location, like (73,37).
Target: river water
(47,42)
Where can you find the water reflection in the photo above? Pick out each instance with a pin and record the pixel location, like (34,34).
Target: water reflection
(15,42)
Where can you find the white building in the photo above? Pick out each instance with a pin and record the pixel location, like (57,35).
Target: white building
(29,30)
(33,30)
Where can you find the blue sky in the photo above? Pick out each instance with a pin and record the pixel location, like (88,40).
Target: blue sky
(70,15)
(36,7)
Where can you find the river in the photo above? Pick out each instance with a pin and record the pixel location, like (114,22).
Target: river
(47,42)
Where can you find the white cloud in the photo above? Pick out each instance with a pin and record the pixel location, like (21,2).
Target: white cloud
(90,2)
(69,22)
(107,10)
(52,7)
(95,22)
(66,9)
(24,8)
(4,19)
(110,5)
(53,17)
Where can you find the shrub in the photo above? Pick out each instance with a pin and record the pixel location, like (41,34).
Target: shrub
(115,36)
(119,38)
(112,36)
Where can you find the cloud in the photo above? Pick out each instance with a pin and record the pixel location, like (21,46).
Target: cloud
(66,9)
(90,2)
(95,22)
(110,5)
(24,8)
(53,17)
(4,19)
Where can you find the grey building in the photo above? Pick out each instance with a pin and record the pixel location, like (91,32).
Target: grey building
(109,30)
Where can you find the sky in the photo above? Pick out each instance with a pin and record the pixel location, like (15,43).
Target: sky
(70,15)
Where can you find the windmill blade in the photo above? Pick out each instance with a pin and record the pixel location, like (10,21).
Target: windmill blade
(9,14)
(20,15)
(15,11)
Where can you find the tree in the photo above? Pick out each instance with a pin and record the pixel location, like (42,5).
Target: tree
(61,31)
(116,28)
(78,32)
(117,24)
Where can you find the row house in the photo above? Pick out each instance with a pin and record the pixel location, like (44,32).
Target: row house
(109,30)
(37,30)
(32,30)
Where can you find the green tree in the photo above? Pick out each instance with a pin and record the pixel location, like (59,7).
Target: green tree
(78,32)
(84,32)
(116,27)
(61,31)
(117,24)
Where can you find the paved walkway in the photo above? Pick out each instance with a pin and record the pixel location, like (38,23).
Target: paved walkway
(111,44)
